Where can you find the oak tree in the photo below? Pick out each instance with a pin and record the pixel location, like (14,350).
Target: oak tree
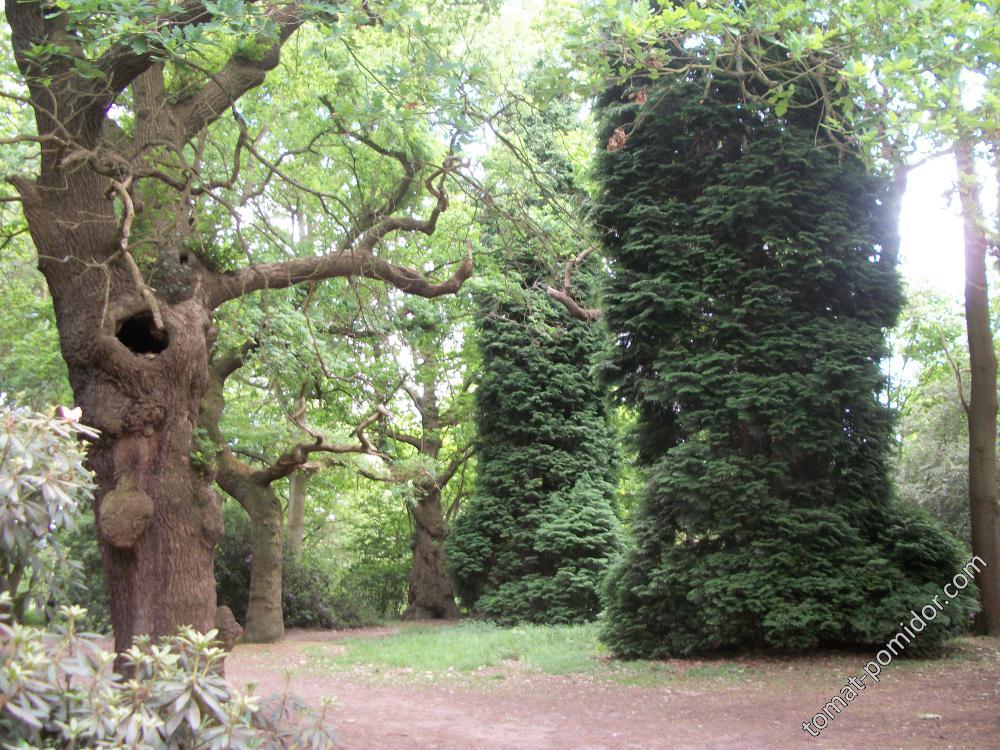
(146,171)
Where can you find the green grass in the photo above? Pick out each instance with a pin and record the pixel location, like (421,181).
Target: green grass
(487,654)
(475,648)
(569,649)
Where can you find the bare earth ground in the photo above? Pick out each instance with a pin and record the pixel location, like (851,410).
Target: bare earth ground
(755,703)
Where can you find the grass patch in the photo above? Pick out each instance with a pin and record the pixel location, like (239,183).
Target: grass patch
(470,646)
(491,654)
(481,647)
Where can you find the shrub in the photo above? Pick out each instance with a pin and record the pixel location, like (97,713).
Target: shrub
(311,600)
(378,553)
(42,486)
(60,693)
(374,589)
(57,688)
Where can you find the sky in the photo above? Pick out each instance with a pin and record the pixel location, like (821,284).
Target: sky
(931,230)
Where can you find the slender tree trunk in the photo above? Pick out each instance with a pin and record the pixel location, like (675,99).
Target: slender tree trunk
(431,595)
(295,529)
(264,621)
(157,518)
(984,510)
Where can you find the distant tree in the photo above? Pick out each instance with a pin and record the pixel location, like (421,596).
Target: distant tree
(753,275)
(540,530)
(934,458)
(252,486)
(431,447)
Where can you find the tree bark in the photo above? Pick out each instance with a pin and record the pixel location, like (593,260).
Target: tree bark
(984,510)
(141,388)
(296,524)
(431,595)
(264,622)
(264,619)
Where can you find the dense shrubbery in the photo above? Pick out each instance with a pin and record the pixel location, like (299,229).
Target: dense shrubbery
(378,554)
(753,279)
(60,693)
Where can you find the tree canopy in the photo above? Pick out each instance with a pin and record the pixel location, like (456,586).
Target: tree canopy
(355,265)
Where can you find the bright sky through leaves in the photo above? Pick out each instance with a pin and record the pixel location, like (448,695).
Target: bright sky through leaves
(931,228)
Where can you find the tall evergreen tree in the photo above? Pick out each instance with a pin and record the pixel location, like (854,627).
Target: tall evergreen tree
(537,536)
(753,279)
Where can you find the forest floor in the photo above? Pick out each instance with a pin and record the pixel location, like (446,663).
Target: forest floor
(477,687)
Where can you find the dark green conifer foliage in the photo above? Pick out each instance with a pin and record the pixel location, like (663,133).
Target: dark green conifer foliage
(750,296)
(536,538)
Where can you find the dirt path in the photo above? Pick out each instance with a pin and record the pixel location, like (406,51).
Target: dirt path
(951,703)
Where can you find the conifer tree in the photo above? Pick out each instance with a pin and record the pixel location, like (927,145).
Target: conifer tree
(753,279)
(537,536)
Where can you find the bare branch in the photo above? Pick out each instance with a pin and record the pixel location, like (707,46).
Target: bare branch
(456,463)
(224,364)
(339,265)
(956,370)
(299,455)
(390,478)
(122,188)
(415,397)
(565,295)
(571,266)
(402,437)
(359,261)
(121,64)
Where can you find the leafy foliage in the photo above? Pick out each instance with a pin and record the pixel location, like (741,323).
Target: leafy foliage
(58,688)
(32,372)
(753,277)
(377,551)
(932,467)
(893,74)
(42,484)
(60,693)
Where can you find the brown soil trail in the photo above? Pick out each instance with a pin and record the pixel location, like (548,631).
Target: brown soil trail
(948,703)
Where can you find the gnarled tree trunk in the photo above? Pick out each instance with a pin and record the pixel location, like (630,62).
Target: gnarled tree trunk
(264,622)
(431,595)
(137,349)
(157,519)
(252,490)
